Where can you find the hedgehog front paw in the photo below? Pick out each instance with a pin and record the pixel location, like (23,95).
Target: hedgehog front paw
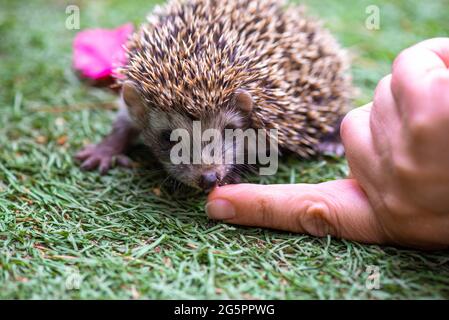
(101,156)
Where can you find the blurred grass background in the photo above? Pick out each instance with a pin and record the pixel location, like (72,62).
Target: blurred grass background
(127,234)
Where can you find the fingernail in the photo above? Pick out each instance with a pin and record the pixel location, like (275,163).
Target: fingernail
(220,209)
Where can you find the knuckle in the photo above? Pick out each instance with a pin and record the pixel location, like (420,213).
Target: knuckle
(383,87)
(402,59)
(439,77)
(420,126)
(438,83)
(319,218)
(400,81)
(427,117)
(403,167)
(350,125)
(347,124)
(393,205)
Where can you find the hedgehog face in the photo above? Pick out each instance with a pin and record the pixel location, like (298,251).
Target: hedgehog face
(193,149)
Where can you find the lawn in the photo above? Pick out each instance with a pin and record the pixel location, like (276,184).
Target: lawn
(130,234)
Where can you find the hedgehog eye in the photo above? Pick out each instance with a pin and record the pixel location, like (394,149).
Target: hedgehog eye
(230,126)
(165,136)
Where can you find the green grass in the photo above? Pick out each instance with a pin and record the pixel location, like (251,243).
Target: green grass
(116,232)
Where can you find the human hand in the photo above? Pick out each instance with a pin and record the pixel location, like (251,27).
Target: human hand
(398,154)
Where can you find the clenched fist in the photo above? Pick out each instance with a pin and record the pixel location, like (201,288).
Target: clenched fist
(398,153)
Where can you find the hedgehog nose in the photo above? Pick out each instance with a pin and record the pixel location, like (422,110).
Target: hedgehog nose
(208,180)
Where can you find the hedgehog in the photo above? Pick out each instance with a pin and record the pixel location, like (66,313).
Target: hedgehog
(235,64)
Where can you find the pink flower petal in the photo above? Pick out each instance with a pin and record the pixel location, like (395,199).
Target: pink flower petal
(97,52)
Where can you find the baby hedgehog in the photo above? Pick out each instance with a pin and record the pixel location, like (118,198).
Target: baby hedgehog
(227,64)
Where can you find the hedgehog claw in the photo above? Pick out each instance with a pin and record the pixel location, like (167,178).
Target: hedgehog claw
(101,156)
(331,148)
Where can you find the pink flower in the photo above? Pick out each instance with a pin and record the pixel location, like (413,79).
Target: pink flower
(97,52)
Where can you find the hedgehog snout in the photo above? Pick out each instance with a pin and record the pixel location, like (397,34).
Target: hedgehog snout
(208,180)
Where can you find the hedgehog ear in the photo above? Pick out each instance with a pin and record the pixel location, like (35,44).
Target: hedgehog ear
(133,99)
(243,101)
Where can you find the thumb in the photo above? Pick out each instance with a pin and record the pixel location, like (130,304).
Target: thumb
(339,208)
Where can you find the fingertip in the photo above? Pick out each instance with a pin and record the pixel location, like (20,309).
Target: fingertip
(231,190)
(351,123)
